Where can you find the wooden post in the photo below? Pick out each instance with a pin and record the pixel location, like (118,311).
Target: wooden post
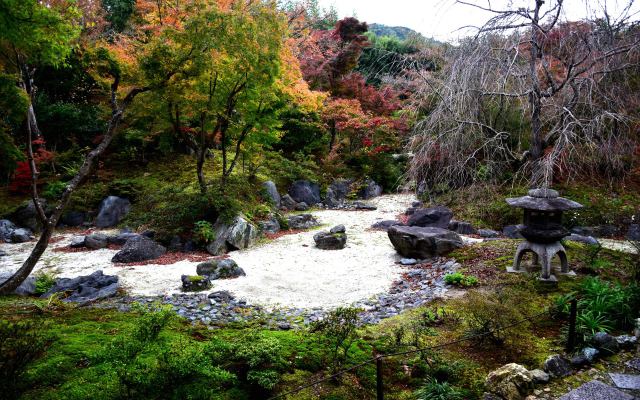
(572,325)
(379,385)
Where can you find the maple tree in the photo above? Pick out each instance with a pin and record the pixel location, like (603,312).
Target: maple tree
(126,67)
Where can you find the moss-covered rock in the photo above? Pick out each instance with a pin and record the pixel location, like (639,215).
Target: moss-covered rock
(511,382)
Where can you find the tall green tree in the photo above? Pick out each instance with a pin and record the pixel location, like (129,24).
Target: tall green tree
(126,67)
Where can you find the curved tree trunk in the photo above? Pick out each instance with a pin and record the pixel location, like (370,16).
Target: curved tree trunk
(49,223)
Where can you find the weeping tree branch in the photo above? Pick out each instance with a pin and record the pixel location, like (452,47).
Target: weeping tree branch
(563,83)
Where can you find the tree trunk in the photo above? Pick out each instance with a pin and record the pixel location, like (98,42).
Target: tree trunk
(202,149)
(333,135)
(50,223)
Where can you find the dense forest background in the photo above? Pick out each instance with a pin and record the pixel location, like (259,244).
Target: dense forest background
(211,95)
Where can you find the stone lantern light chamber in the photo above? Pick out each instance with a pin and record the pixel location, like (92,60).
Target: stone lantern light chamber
(543,230)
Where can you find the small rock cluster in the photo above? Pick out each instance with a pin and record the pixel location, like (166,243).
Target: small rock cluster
(303,194)
(515,382)
(419,284)
(335,239)
(85,289)
(10,233)
(207,271)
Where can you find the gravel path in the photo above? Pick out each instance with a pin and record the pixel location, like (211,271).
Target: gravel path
(288,271)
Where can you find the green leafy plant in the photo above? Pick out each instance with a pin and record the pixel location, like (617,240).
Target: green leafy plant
(486,315)
(20,344)
(338,329)
(44,282)
(260,357)
(203,232)
(460,279)
(434,390)
(54,190)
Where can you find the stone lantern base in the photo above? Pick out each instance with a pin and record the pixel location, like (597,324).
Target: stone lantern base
(542,255)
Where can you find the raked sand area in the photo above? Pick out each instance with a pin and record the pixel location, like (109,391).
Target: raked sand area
(287,271)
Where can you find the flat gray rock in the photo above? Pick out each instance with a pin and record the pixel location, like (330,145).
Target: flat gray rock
(625,381)
(635,364)
(596,390)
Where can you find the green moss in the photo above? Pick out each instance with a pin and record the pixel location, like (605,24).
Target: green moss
(10,202)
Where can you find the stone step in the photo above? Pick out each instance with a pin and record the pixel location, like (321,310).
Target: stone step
(625,381)
(596,390)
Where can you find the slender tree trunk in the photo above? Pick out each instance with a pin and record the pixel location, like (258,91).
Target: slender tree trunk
(239,142)
(202,149)
(333,135)
(49,223)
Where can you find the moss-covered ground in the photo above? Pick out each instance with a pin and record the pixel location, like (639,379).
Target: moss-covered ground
(69,367)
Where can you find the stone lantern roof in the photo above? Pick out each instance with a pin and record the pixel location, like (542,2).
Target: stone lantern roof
(543,199)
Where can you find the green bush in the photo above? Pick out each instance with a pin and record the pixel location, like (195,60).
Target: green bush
(20,344)
(602,306)
(146,364)
(54,190)
(203,232)
(44,282)
(338,331)
(434,390)
(460,279)
(490,316)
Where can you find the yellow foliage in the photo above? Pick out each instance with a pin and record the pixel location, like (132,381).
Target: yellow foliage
(292,83)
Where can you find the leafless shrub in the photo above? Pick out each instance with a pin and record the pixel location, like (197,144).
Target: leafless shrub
(534,95)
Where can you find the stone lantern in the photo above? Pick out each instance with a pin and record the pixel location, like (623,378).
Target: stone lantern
(543,230)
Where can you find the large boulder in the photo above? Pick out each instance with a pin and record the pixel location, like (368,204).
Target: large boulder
(369,190)
(287,202)
(488,233)
(605,343)
(423,242)
(335,239)
(139,248)
(271,191)
(85,289)
(385,224)
(270,226)
(338,192)
(302,221)
(305,191)
(510,382)
(96,241)
(220,269)
(513,231)
(238,235)
(6,228)
(26,288)
(26,215)
(112,210)
(331,199)
(590,240)
(21,235)
(633,233)
(121,238)
(73,218)
(462,227)
(438,217)
(557,366)
(77,241)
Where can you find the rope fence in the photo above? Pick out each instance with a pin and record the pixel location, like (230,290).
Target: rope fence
(379,358)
